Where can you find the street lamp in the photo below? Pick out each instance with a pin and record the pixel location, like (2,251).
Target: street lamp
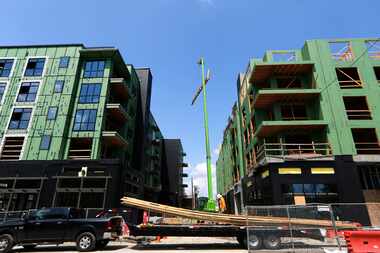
(210,206)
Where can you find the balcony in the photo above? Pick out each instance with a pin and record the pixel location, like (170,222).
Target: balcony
(116,112)
(113,139)
(262,71)
(119,88)
(276,152)
(271,128)
(267,97)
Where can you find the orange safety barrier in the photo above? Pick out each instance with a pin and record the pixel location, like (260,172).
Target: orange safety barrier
(363,241)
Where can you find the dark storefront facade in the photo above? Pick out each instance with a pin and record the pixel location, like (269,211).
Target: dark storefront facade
(35,184)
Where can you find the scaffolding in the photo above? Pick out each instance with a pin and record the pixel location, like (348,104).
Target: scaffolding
(341,51)
(373,48)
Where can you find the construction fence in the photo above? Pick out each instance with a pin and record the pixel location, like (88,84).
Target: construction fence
(325,235)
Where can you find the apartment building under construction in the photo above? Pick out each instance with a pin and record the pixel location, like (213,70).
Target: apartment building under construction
(305,127)
(76,129)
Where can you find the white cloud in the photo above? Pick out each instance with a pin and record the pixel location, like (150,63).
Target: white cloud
(199,174)
(216,151)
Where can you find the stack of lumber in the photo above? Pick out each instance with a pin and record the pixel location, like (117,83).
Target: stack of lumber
(240,220)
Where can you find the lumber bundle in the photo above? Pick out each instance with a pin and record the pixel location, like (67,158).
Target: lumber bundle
(240,220)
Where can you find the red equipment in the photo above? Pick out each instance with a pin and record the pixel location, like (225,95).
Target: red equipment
(363,241)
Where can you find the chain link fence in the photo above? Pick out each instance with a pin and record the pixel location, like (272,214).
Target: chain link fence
(310,228)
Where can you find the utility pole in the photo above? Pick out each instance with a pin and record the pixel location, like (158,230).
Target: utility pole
(192,194)
(210,206)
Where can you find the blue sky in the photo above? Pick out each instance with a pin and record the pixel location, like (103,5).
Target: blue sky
(170,35)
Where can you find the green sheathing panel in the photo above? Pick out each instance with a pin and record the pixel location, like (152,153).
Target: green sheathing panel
(227,160)
(100,107)
(61,128)
(333,109)
(327,109)
(39,125)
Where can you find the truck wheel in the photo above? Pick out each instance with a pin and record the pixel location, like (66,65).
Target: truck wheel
(255,242)
(6,243)
(272,242)
(86,241)
(101,244)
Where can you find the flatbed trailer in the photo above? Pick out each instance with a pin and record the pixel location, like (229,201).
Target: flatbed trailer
(253,232)
(259,237)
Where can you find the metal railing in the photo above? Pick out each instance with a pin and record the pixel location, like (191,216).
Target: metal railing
(359,114)
(293,150)
(322,231)
(367,147)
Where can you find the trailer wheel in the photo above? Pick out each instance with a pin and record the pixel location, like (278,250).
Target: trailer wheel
(255,242)
(272,242)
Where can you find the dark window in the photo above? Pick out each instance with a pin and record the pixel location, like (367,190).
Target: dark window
(377,73)
(89,93)
(293,112)
(28,92)
(45,142)
(64,62)
(52,112)
(58,87)
(85,120)
(35,67)
(289,82)
(94,68)
(5,67)
(365,140)
(49,213)
(348,78)
(80,148)
(2,90)
(20,118)
(357,108)
(369,177)
(320,193)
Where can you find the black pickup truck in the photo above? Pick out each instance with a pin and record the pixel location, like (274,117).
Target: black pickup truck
(59,225)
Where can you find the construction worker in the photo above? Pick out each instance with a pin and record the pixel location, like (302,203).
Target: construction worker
(221,203)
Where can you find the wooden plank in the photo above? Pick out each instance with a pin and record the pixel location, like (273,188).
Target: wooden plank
(230,219)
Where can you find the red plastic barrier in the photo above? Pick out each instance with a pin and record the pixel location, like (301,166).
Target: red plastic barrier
(363,241)
(331,233)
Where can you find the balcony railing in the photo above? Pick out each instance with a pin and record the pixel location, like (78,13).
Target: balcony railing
(358,114)
(368,148)
(297,151)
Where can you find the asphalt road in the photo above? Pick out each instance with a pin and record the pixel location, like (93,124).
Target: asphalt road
(168,245)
